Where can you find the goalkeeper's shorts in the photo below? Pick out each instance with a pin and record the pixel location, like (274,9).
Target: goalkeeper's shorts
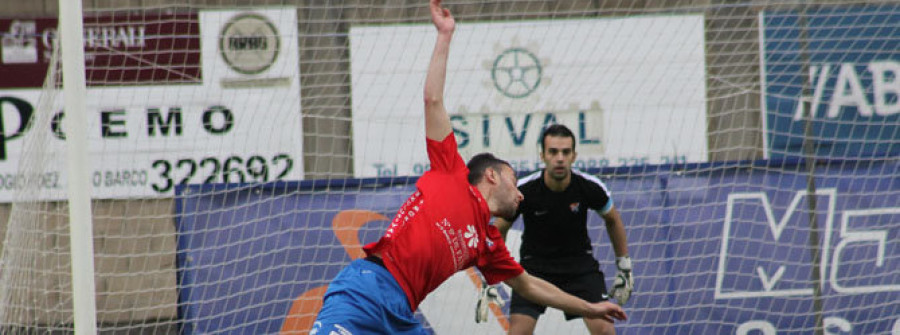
(365,298)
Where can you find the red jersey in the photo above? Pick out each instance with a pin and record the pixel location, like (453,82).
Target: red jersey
(444,227)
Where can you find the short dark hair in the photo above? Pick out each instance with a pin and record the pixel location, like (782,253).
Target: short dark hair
(557,130)
(480,163)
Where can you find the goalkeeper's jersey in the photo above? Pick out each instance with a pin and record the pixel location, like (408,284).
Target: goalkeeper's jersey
(444,227)
(555,238)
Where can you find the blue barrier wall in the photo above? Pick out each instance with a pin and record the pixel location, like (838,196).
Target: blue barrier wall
(843,49)
(716,250)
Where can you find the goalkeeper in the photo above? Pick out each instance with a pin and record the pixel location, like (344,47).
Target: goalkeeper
(555,242)
(443,227)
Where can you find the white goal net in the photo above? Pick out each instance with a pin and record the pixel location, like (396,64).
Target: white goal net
(242,151)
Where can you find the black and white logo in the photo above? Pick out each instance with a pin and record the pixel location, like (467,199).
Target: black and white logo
(19,44)
(249,43)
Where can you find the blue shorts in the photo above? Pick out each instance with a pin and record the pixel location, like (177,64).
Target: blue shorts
(365,298)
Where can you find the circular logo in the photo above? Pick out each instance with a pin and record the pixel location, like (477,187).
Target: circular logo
(516,73)
(249,43)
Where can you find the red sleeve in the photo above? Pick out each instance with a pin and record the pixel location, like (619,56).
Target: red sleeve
(443,155)
(497,264)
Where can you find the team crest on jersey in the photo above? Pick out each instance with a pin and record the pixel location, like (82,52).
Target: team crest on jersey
(574,206)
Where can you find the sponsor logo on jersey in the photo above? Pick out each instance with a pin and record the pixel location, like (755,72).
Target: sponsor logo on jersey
(471,237)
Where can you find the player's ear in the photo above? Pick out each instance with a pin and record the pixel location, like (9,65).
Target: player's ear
(491,175)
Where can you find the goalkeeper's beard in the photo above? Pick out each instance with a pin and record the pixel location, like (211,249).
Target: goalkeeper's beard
(559,174)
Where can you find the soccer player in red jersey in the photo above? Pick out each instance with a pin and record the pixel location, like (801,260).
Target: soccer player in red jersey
(444,227)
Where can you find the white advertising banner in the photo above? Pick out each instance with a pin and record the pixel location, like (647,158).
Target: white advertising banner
(632,90)
(241,124)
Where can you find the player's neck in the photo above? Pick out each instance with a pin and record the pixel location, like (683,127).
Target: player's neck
(486,193)
(557,185)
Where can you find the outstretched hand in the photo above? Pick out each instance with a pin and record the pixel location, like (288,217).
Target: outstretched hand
(442,18)
(607,311)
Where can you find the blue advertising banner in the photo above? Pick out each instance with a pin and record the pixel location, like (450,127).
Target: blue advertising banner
(843,60)
(724,250)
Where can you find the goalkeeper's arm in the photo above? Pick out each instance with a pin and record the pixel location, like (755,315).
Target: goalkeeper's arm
(623,284)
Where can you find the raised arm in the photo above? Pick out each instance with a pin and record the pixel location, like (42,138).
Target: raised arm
(437,123)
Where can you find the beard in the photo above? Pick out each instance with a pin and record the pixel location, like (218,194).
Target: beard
(508,211)
(559,175)
(507,206)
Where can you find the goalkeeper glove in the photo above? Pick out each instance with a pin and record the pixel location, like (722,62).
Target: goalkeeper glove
(487,295)
(624,283)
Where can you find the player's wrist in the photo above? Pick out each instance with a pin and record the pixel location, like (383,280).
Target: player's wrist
(624,263)
(587,309)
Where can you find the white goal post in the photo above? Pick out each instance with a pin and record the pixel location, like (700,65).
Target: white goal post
(78,186)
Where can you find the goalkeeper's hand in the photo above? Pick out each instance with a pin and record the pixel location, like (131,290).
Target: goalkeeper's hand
(487,295)
(624,283)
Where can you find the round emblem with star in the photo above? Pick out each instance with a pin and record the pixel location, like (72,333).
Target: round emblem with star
(516,73)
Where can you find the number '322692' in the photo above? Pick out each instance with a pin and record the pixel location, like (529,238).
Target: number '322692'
(232,169)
